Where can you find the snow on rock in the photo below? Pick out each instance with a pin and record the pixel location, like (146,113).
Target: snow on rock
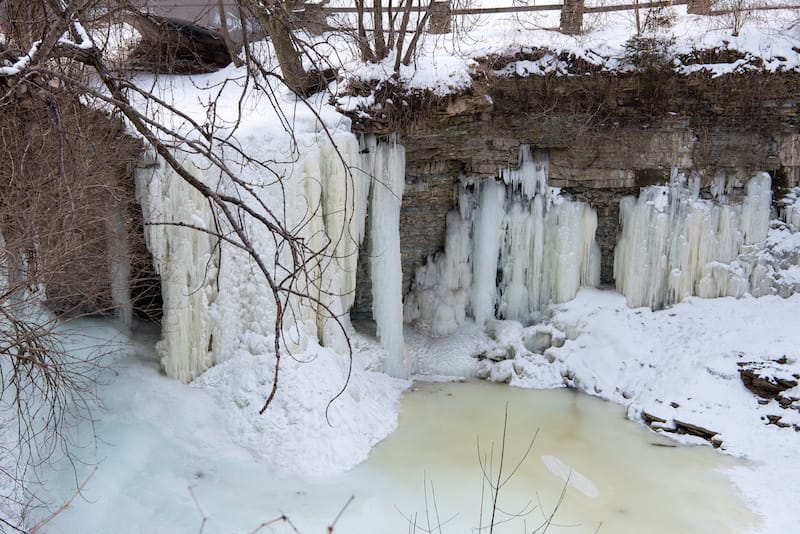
(541,244)
(766,42)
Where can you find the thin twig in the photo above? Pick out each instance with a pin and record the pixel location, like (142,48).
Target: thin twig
(64,506)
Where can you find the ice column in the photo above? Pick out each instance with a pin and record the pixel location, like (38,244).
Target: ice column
(119,266)
(673,244)
(186,261)
(385,163)
(790,208)
(487,232)
(339,190)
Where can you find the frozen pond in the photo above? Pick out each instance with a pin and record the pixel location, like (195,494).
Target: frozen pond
(624,478)
(160,438)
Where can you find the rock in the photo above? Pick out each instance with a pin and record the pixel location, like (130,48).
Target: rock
(650,418)
(502,372)
(767,379)
(684,427)
(538,342)
(776,420)
(177,45)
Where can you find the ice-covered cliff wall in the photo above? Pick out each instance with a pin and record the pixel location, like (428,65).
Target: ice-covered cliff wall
(674,244)
(510,249)
(214,297)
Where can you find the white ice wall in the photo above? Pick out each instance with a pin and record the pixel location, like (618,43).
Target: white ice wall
(511,248)
(673,244)
(214,296)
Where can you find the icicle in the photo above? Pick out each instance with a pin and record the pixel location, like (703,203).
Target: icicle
(590,259)
(119,266)
(186,261)
(790,208)
(756,208)
(530,177)
(438,299)
(214,300)
(386,164)
(337,195)
(530,247)
(673,245)
(487,230)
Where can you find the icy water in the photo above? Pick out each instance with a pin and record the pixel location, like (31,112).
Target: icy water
(163,443)
(622,478)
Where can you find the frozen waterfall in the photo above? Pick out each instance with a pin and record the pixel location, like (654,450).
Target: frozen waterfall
(386,164)
(674,244)
(510,249)
(214,298)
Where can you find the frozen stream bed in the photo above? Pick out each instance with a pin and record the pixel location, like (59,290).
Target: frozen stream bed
(160,438)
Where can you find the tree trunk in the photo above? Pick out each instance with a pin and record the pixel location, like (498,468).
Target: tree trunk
(294,75)
(572,17)
(277,26)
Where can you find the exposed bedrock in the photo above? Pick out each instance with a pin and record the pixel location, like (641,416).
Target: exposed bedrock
(607,135)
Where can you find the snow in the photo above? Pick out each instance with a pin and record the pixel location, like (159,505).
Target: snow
(681,363)
(321,422)
(766,41)
(22,62)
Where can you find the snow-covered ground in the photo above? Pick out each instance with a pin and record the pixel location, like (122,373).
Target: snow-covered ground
(767,40)
(679,363)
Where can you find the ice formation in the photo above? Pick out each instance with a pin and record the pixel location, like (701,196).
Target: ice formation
(674,244)
(120,267)
(510,249)
(790,208)
(386,163)
(214,300)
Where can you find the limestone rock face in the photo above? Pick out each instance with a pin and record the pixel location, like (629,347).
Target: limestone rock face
(607,135)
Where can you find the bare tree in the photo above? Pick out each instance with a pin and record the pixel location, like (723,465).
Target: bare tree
(391,26)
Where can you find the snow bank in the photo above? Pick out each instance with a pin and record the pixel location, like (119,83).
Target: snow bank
(315,425)
(677,364)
